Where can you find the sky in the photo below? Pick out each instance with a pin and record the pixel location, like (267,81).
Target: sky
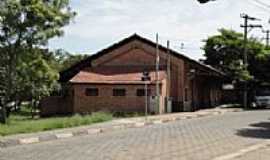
(186,23)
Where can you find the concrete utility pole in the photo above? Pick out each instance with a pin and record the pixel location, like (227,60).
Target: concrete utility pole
(247,26)
(146,100)
(267,32)
(168,100)
(168,69)
(157,73)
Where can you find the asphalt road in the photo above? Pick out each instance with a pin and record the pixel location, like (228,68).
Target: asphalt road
(192,139)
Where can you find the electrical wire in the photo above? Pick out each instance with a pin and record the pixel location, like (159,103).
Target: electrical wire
(194,39)
(262,3)
(259,5)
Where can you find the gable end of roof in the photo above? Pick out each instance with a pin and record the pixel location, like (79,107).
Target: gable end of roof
(67,74)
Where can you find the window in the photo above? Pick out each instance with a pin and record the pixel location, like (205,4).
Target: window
(141,92)
(91,92)
(119,92)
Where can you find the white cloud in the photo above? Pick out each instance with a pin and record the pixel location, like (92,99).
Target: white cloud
(101,23)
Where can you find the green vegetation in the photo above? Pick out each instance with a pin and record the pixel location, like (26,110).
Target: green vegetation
(62,60)
(225,52)
(128,114)
(23,123)
(26,26)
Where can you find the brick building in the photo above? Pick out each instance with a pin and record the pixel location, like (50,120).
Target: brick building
(111,80)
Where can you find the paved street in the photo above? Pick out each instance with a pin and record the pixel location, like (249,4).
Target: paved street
(261,154)
(193,139)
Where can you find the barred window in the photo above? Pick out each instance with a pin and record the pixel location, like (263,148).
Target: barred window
(141,92)
(91,92)
(119,92)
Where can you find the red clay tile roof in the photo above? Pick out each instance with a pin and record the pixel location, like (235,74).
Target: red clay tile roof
(110,76)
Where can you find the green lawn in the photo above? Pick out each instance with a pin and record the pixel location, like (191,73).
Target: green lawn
(22,122)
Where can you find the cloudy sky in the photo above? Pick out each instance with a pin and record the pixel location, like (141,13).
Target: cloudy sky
(99,23)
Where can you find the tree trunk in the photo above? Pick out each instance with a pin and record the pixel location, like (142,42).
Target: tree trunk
(3,117)
(33,108)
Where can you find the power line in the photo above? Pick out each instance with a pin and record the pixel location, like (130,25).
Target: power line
(187,48)
(255,4)
(262,3)
(194,39)
(258,5)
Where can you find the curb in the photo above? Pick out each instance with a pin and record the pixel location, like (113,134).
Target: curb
(95,131)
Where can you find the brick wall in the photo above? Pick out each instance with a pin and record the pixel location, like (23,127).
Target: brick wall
(56,105)
(106,101)
(135,57)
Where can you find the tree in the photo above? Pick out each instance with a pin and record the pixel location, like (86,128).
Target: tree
(62,59)
(25,27)
(3,85)
(36,78)
(2,93)
(225,52)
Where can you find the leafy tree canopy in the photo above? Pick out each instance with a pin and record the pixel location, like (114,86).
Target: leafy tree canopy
(32,22)
(62,60)
(25,28)
(225,51)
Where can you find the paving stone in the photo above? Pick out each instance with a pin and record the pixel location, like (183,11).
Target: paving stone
(94,131)
(9,143)
(47,138)
(64,135)
(80,132)
(192,139)
(158,122)
(29,140)
(140,124)
(261,154)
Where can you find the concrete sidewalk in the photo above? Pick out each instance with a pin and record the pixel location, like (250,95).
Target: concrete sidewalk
(110,126)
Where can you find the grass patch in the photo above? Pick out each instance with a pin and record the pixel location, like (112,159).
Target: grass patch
(128,114)
(22,123)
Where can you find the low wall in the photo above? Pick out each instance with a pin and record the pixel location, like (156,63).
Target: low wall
(55,105)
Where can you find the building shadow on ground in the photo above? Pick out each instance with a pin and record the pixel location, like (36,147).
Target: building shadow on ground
(259,130)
